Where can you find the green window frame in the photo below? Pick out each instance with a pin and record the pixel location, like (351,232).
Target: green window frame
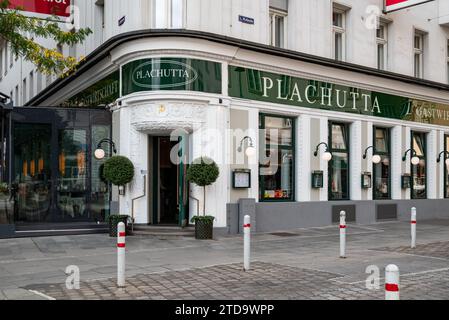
(385,154)
(284,149)
(344,193)
(416,170)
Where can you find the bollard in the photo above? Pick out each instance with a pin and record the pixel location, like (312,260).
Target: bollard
(413,224)
(342,234)
(391,282)
(121,245)
(246,242)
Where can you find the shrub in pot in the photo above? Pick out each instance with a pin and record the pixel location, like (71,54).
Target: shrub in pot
(203,172)
(118,170)
(114,220)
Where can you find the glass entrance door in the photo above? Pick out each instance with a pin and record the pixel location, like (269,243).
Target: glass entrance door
(170,197)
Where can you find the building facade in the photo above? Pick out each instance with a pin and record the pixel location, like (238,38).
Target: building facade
(346,107)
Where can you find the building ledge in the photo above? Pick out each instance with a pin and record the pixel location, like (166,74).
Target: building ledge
(104,50)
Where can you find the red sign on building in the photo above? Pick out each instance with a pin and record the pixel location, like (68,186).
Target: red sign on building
(51,7)
(393,5)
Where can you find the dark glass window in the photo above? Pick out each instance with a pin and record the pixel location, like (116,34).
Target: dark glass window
(419,183)
(277,159)
(339,165)
(382,170)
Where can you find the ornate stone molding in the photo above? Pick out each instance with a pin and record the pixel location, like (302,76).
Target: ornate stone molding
(167,116)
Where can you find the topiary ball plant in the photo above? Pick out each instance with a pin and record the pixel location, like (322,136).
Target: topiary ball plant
(118,170)
(203,172)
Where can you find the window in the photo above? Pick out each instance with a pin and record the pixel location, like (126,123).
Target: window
(446,168)
(278,28)
(419,172)
(16,96)
(169,13)
(277,159)
(339,165)
(418,54)
(6,64)
(31,84)
(1,62)
(339,31)
(447,56)
(24,91)
(11,57)
(382,170)
(382,46)
(38,81)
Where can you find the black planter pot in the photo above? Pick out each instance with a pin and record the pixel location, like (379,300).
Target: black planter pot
(204,229)
(113,223)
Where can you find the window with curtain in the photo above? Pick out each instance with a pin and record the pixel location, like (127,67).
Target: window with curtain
(277,158)
(419,182)
(339,165)
(382,170)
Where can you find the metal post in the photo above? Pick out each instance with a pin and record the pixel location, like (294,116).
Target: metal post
(121,244)
(342,234)
(413,227)
(391,282)
(246,242)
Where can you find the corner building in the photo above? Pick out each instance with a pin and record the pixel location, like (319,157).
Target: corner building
(339,121)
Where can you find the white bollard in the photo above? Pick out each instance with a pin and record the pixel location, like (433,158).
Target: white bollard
(391,282)
(246,242)
(342,234)
(413,224)
(121,247)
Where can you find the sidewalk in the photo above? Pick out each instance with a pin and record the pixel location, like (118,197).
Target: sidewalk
(302,264)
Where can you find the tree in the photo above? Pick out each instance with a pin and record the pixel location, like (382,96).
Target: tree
(21,31)
(203,172)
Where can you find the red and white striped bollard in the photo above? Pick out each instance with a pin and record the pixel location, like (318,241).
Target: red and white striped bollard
(342,234)
(121,247)
(246,242)
(392,282)
(413,228)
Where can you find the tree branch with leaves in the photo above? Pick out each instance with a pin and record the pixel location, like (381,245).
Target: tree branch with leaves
(21,32)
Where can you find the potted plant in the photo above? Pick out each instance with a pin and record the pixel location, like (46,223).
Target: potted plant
(119,170)
(114,220)
(203,172)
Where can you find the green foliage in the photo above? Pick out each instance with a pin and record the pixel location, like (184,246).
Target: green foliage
(209,219)
(203,172)
(116,218)
(118,170)
(20,31)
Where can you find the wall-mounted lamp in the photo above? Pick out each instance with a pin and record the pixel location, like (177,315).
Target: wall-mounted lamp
(376,158)
(250,150)
(415,160)
(327,155)
(99,154)
(446,156)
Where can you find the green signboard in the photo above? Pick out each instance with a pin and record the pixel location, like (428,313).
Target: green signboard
(283,89)
(102,93)
(171,74)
